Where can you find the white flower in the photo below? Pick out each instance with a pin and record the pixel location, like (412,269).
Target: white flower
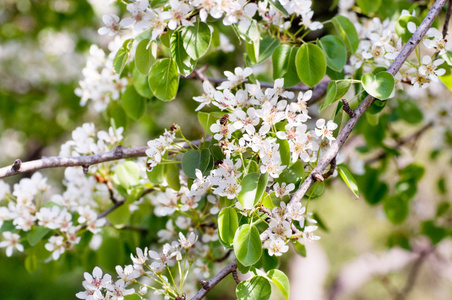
(128,273)
(235,78)
(325,131)
(168,233)
(55,245)
(207,97)
(430,69)
(12,241)
(96,281)
(276,247)
(189,241)
(118,290)
(141,258)
(283,189)
(112,25)
(308,233)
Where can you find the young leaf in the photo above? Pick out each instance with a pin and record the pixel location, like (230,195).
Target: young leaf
(172,176)
(284,65)
(253,187)
(330,95)
(140,82)
(184,62)
(401,26)
(206,120)
(335,52)
(380,85)
(258,288)
(292,174)
(121,57)
(396,208)
(145,56)
(368,6)
(134,105)
(276,4)
(194,159)
(311,64)
(36,234)
(266,48)
(247,245)
(281,281)
(228,222)
(348,179)
(347,32)
(196,39)
(128,174)
(164,79)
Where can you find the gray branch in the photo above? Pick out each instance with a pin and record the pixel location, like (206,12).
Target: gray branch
(361,109)
(207,286)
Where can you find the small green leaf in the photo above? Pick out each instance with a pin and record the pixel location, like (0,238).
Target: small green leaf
(293,174)
(253,187)
(300,248)
(348,178)
(36,234)
(141,84)
(330,97)
(380,85)
(206,120)
(119,216)
(266,48)
(284,152)
(228,222)
(409,111)
(184,62)
(276,4)
(258,288)
(284,65)
(248,34)
(145,56)
(133,296)
(172,176)
(157,174)
(401,27)
(121,57)
(347,32)
(134,105)
(396,209)
(196,39)
(194,159)
(128,174)
(368,6)
(31,263)
(247,245)
(310,64)
(335,52)
(267,262)
(433,232)
(280,279)
(164,79)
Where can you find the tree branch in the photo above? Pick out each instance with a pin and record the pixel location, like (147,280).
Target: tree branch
(207,286)
(361,109)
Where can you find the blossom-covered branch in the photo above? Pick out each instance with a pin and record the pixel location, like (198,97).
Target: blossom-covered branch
(361,109)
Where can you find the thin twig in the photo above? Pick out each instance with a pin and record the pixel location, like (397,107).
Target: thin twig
(401,143)
(361,109)
(447,19)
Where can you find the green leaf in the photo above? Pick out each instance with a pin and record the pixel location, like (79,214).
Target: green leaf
(284,65)
(284,151)
(196,39)
(380,85)
(252,49)
(120,216)
(371,187)
(300,248)
(401,27)
(228,222)
(266,48)
(280,279)
(31,263)
(165,38)
(267,262)
(293,174)
(145,56)
(132,297)
(127,174)
(141,84)
(121,57)
(330,97)
(253,187)
(413,171)
(184,62)
(36,234)
(435,233)
(164,79)
(310,64)
(134,105)
(368,6)
(348,178)
(206,120)
(396,208)
(249,34)
(409,112)
(194,159)
(172,176)
(158,3)
(157,174)
(258,288)
(335,52)
(347,32)
(247,245)
(276,4)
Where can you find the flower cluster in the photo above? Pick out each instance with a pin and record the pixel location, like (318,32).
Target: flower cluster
(150,265)
(176,13)
(100,83)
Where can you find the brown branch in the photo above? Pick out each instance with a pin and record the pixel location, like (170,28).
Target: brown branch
(361,109)
(401,143)
(110,209)
(208,285)
(447,19)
